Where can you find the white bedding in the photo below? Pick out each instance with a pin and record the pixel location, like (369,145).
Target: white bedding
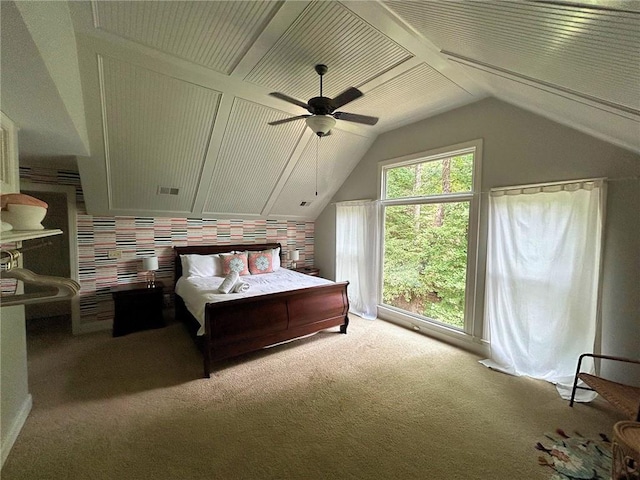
(196,292)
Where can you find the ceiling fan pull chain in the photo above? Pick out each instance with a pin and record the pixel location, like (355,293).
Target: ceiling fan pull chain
(317,148)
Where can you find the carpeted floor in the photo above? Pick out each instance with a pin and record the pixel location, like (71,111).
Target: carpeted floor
(381,402)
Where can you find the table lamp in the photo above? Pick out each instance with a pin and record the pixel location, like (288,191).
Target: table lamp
(150,265)
(295,256)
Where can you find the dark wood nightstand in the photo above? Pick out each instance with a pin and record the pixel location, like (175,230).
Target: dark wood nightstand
(313,271)
(137,307)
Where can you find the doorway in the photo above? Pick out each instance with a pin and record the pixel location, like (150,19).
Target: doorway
(58,258)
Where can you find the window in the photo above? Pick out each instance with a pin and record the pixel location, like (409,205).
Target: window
(430,214)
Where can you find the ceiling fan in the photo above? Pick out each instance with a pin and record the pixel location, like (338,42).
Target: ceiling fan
(322,115)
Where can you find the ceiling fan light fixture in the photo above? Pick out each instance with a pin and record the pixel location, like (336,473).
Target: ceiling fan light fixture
(320,124)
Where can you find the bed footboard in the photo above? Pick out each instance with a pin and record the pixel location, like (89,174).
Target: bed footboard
(248,324)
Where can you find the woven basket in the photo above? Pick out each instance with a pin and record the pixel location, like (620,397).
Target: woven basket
(626,451)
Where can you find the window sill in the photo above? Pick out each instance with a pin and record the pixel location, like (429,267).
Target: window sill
(448,335)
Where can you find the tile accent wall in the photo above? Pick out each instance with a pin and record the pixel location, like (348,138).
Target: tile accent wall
(137,237)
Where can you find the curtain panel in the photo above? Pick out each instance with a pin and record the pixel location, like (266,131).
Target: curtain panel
(543,276)
(357,254)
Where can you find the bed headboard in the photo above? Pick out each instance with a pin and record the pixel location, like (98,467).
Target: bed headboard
(212,249)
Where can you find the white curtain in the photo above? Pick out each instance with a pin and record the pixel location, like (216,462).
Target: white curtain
(357,255)
(542,289)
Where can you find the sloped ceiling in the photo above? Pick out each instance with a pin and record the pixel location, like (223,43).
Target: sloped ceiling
(176,98)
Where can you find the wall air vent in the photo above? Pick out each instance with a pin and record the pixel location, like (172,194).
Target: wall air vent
(167,190)
(305,204)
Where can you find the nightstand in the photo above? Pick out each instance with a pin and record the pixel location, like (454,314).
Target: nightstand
(137,307)
(313,271)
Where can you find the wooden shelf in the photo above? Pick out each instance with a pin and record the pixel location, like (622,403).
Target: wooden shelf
(20,235)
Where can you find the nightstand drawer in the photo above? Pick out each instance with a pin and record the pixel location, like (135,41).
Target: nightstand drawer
(137,307)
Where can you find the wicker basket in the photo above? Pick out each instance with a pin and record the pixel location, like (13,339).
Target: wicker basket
(626,451)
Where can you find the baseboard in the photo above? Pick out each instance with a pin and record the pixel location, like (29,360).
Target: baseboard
(93,327)
(16,427)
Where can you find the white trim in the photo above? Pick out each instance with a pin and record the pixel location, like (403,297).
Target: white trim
(448,335)
(72,221)
(9,165)
(426,155)
(597,348)
(436,198)
(15,428)
(473,318)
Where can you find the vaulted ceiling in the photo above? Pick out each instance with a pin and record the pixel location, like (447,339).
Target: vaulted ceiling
(166,104)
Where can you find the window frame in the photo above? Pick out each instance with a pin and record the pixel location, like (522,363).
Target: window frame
(473,328)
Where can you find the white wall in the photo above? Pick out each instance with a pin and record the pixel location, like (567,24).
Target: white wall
(15,401)
(520,148)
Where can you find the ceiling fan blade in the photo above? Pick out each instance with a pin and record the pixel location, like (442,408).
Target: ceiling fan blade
(289,99)
(349,95)
(287,120)
(354,117)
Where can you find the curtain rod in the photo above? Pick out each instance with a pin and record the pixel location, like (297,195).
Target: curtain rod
(548,184)
(10,255)
(353,202)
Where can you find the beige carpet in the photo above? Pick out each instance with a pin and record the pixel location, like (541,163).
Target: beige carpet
(381,402)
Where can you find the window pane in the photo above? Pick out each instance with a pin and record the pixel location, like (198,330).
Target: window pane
(448,175)
(425,260)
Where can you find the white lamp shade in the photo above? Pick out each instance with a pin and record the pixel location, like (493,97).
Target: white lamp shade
(295,255)
(320,124)
(149,263)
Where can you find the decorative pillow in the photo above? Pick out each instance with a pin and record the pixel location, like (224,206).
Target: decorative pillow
(261,262)
(197,265)
(236,262)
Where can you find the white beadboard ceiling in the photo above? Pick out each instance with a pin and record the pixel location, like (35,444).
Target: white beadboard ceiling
(175,97)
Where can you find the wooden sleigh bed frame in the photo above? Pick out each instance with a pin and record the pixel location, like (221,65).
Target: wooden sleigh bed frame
(245,325)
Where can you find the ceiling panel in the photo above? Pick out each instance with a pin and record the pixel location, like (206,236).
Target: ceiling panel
(329,33)
(176,92)
(143,111)
(252,157)
(591,51)
(415,92)
(337,156)
(213,34)
(598,122)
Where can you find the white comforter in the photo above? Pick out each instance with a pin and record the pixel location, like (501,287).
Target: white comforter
(196,292)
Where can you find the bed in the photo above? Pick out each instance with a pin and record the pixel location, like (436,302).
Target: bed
(246,322)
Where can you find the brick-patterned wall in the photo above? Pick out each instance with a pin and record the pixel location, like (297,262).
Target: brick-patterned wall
(137,237)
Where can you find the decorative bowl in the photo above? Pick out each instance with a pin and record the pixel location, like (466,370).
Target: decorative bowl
(24,217)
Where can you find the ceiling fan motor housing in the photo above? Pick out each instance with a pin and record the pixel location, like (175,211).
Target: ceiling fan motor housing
(321,69)
(320,106)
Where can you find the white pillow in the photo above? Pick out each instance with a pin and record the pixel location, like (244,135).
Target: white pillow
(197,265)
(217,265)
(211,265)
(275,255)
